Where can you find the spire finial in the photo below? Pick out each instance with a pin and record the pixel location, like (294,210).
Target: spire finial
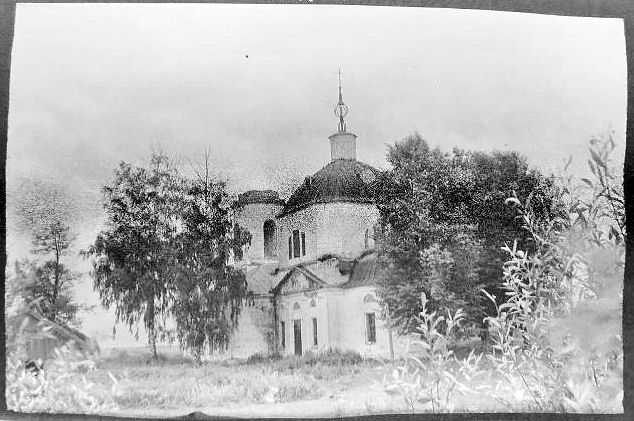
(341,110)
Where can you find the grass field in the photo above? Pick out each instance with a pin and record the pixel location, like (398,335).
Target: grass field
(329,384)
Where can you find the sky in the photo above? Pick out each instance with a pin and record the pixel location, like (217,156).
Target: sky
(96,84)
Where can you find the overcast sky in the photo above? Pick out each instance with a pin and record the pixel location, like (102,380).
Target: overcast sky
(95,84)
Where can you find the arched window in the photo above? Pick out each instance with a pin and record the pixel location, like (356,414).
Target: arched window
(369,239)
(370,328)
(269,239)
(313,303)
(369,299)
(296,306)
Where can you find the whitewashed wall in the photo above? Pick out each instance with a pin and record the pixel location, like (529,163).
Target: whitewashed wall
(252,217)
(288,314)
(255,332)
(349,321)
(337,227)
(341,322)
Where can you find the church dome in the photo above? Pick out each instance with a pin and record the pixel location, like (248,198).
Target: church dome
(342,180)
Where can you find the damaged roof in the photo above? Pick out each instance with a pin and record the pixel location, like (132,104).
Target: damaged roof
(262,278)
(329,271)
(365,271)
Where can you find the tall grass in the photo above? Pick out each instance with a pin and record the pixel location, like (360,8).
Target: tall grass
(173,384)
(61,386)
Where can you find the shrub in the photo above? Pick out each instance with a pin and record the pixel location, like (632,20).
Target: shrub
(428,379)
(555,338)
(262,358)
(329,358)
(333,357)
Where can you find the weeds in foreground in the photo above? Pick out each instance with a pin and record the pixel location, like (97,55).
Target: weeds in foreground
(556,343)
(62,386)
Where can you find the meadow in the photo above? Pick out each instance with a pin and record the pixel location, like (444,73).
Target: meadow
(333,383)
(463,376)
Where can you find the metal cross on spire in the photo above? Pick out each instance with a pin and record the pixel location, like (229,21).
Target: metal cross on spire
(341,110)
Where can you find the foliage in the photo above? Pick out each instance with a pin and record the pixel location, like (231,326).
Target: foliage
(208,292)
(53,239)
(444,268)
(62,386)
(132,259)
(53,297)
(167,252)
(330,357)
(601,211)
(48,284)
(442,220)
(429,378)
(46,211)
(556,343)
(262,357)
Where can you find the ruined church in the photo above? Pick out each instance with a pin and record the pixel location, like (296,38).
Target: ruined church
(310,266)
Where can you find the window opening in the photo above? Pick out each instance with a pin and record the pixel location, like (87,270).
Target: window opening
(314,331)
(370,324)
(283,334)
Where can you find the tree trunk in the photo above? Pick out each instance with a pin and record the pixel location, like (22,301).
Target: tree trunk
(53,314)
(152,328)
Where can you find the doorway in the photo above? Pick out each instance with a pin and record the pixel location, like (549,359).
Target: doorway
(297,333)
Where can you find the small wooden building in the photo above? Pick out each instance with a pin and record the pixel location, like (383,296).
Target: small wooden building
(39,336)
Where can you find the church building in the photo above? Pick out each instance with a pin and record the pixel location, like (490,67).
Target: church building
(310,266)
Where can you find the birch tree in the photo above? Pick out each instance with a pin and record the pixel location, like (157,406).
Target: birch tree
(132,256)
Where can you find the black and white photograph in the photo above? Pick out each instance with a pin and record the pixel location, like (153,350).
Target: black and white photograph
(302,210)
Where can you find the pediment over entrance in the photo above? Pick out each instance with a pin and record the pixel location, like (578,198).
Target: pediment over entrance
(298,280)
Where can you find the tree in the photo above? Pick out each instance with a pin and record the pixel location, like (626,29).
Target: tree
(49,287)
(48,284)
(29,286)
(442,218)
(498,176)
(208,290)
(132,256)
(426,240)
(45,211)
(51,280)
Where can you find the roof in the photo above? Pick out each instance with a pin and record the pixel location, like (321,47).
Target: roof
(260,196)
(327,271)
(365,272)
(262,278)
(332,271)
(342,180)
(60,330)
